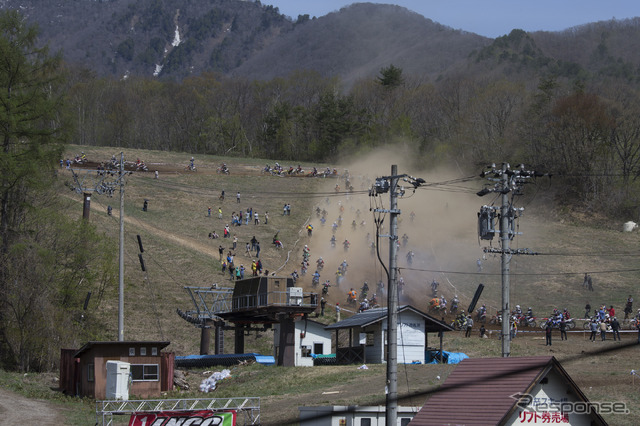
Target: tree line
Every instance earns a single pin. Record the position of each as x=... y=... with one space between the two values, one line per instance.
x=584 y=131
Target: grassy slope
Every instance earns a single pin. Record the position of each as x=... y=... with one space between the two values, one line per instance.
x=178 y=253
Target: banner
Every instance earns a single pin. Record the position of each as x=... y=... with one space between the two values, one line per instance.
x=184 y=418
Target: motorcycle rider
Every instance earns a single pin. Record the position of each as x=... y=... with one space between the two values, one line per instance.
x=529 y=313
x=365 y=289
x=482 y=312
x=454 y=303
x=333 y=239
x=364 y=305
x=374 y=301
x=325 y=287
x=352 y=296
x=320 y=263
x=315 y=278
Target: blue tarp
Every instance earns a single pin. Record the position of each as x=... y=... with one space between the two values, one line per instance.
x=223 y=359
x=449 y=357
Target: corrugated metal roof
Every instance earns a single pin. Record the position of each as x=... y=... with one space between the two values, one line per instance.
x=371 y=316
x=478 y=391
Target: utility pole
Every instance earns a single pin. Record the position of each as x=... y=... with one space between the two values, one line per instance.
x=506 y=181
x=105 y=182
x=384 y=184
x=392 y=306
x=121 y=256
x=505 y=260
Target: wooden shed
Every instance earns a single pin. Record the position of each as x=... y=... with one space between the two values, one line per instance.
x=151 y=369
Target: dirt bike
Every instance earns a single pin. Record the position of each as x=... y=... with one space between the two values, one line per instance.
x=496 y=319
x=278 y=244
x=315 y=280
x=353 y=301
x=190 y=168
x=223 y=170
x=481 y=317
x=459 y=324
x=524 y=321
x=630 y=324
x=325 y=288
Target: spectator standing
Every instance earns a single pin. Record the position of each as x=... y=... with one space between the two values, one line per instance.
x=257 y=248
x=220 y=251
x=589 y=283
x=483 y=331
x=563 y=329
x=238 y=197
x=235 y=241
x=547 y=332
x=209 y=212
x=587 y=310
x=628 y=307
x=593 y=326
x=469 y=326
x=338 y=316
x=615 y=327
x=323 y=303
x=603 y=330
x=256 y=219
x=266 y=218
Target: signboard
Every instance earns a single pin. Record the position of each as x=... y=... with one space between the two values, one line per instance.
x=184 y=418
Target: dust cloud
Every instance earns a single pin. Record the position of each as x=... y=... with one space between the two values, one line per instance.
x=438 y=223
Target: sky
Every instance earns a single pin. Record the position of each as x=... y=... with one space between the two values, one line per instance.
x=490 y=18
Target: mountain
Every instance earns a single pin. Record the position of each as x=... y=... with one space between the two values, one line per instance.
x=177 y=38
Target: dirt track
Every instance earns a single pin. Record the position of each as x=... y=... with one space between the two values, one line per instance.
x=18 y=410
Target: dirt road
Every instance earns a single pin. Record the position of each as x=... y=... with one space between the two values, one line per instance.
x=17 y=410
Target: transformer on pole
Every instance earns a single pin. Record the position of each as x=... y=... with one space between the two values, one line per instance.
x=383 y=185
x=506 y=181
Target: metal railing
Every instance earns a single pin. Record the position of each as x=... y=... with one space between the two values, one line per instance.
x=247 y=409
x=274 y=298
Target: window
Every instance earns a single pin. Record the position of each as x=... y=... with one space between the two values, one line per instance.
x=365 y=422
x=144 y=372
x=370 y=338
x=306 y=351
x=90 y=373
x=143 y=351
x=404 y=421
x=154 y=351
x=318 y=348
x=132 y=351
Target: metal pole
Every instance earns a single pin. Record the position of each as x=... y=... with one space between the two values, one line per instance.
x=506 y=257
x=121 y=264
x=86 y=206
x=392 y=306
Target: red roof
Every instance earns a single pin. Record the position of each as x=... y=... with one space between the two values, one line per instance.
x=478 y=391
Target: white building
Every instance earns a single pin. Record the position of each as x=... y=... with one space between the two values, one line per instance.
x=367 y=336
x=310 y=338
